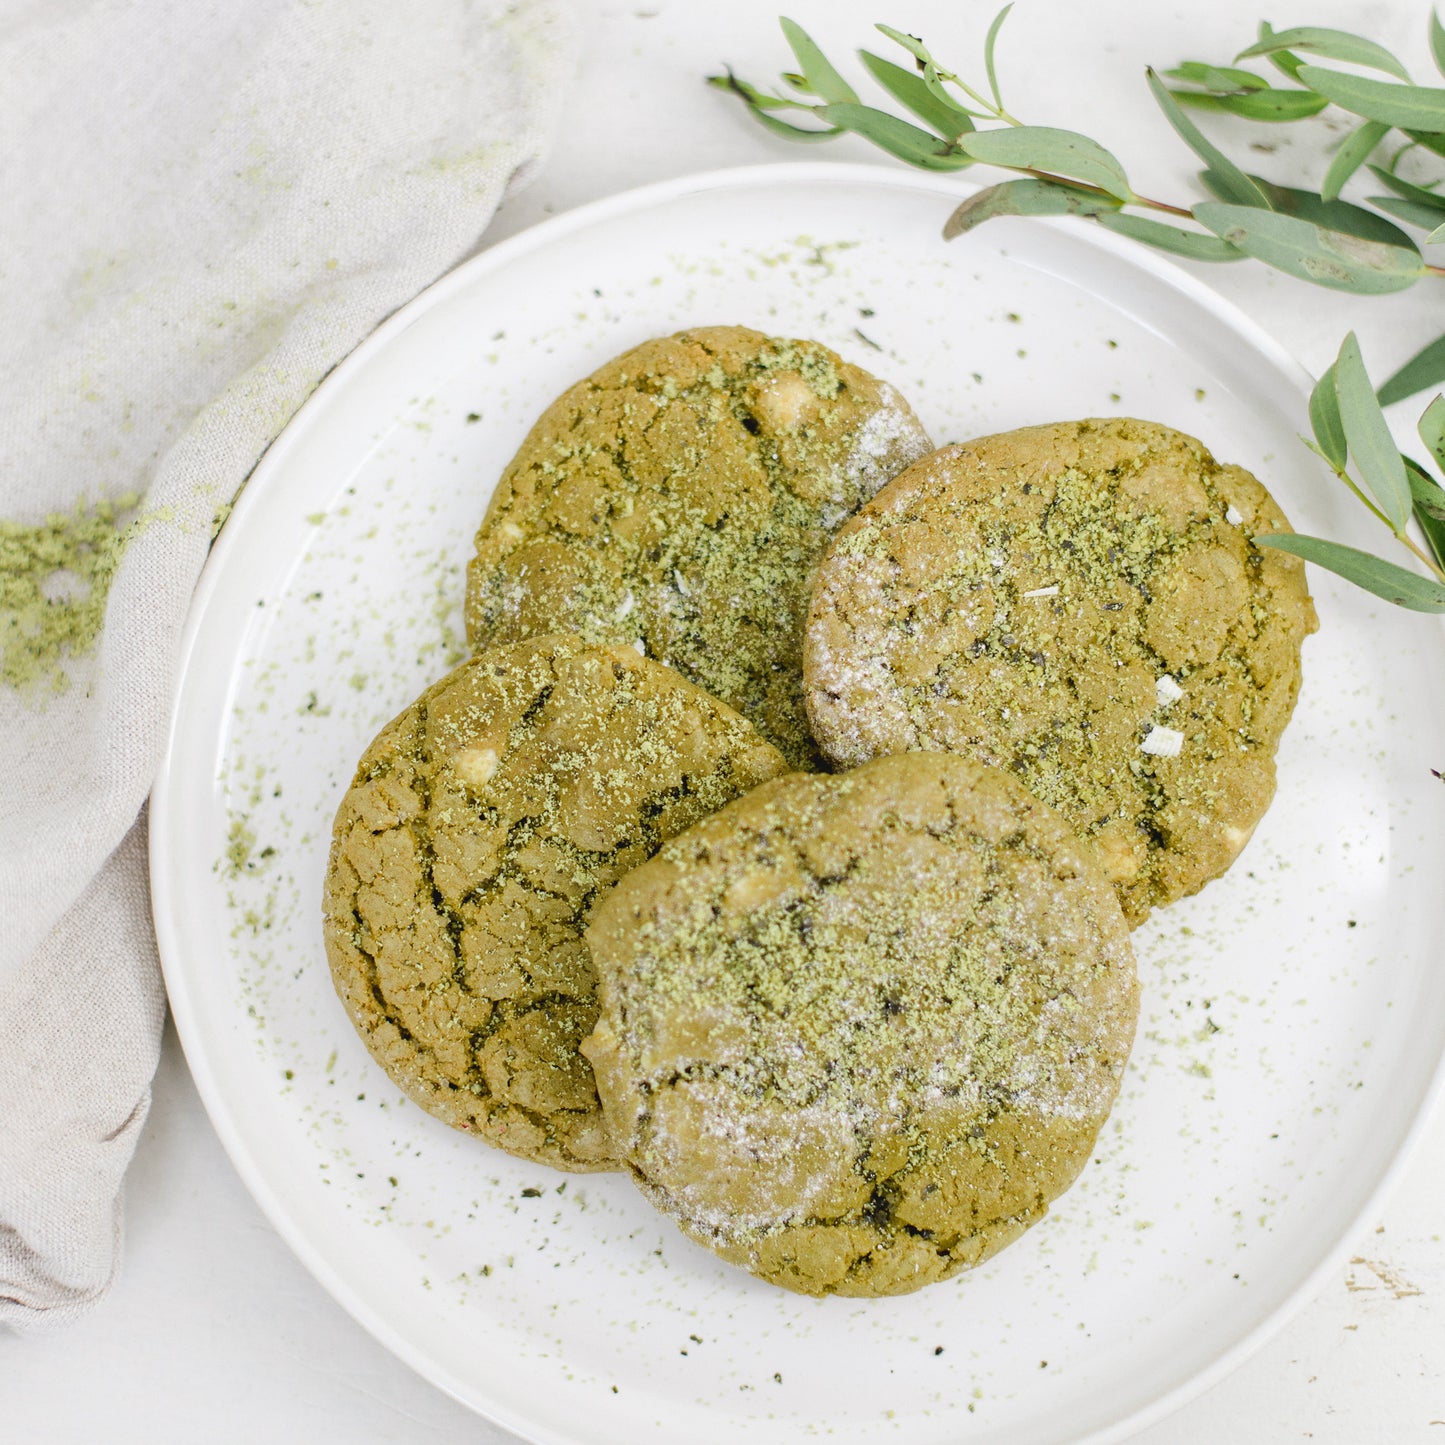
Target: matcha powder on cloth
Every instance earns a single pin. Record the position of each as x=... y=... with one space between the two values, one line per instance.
x=54 y=581
x=207 y=208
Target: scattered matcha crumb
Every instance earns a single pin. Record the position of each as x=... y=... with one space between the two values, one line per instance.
x=239 y=843
x=316 y=518
x=331 y=1062
x=1198 y=393
x=1114 y=396
x=1112 y=345
x=1014 y=316
x=357 y=680
x=219 y=520
x=54 y=581
x=473 y=416
x=290 y=1074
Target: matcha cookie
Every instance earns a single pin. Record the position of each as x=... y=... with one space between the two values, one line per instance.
x=1083 y=605
x=681 y=496
x=481 y=826
x=858 y=1030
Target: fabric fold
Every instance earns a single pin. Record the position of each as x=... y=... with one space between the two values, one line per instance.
x=211 y=207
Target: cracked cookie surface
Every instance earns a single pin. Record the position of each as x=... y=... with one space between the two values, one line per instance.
x=858 y=1030
x=482 y=825
x=1081 y=604
x=682 y=495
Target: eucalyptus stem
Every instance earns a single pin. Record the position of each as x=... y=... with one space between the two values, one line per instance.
x=1134 y=198
x=1400 y=534
x=996 y=111
x=1430 y=562
x=1365 y=502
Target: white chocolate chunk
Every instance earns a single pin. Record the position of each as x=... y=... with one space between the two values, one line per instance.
x=475 y=766
x=1233 y=516
x=785 y=401
x=1050 y=591
x=1167 y=690
x=1162 y=742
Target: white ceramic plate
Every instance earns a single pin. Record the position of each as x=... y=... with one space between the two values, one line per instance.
x=1294 y=1013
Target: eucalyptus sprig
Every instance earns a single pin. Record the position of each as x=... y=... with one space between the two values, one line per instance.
x=1349 y=427
x=1310 y=234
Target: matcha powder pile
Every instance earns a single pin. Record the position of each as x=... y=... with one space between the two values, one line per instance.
x=54 y=581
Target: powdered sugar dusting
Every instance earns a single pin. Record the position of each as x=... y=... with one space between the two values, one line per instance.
x=889 y=440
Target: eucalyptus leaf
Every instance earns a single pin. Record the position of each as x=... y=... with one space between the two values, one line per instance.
x=1413 y=212
x=1432 y=433
x=1313 y=253
x=909 y=88
x=1221 y=79
x=1415 y=107
x=1043 y=148
x=1325 y=420
x=1372 y=448
x=1411 y=192
x=1284 y=61
x=1429 y=496
x=1332 y=215
x=1435 y=236
x=1425 y=369
x=1333 y=45
x=1024 y=198
x=911 y=43
x=1437 y=42
x=1270 y=105
x=1195 y=244
x=933 y=79
x=1431 y=140
x=1429 y=507
x=759 y=105
x=1235 y=186
x=793 y=132
x=1385 y=579
x=752 y=96
x=897 y=137
x=823 y=80
x=988 y=45
x=1351 y=156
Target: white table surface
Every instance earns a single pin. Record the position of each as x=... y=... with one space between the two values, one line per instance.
x=214 y=1331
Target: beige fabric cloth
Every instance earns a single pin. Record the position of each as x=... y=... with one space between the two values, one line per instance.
x=207 y=205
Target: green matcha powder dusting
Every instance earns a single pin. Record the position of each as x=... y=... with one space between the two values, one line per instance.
x=54 y=581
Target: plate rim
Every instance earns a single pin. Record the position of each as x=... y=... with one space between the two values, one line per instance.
x=162 y=849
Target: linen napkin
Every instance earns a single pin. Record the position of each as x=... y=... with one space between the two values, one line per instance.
x=207 y=205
